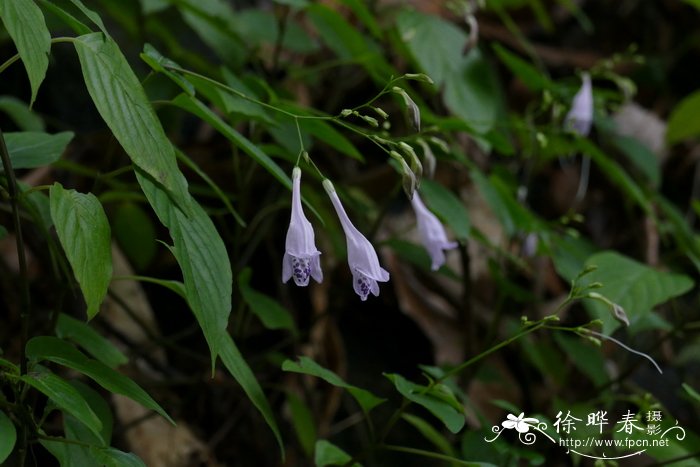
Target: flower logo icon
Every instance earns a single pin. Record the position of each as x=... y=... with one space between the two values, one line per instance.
x=520 y=423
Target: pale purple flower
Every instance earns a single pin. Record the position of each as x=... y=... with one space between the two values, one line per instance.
x=301 y=258
x=362 y=258
x=432 y=233
x=580 y=116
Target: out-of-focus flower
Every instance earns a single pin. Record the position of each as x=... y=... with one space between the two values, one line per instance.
x=362 y=258
x=301 y=257
x=580 y=116
x=432 y=233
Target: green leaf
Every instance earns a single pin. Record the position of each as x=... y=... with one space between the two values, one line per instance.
x=306 y=366
x=528 y=74
x=472 y=92
x=327 y=453
x=29 y=149
x=587 y=358
x=683 y=122
x=303 y=423
x=134 y=231
x=153 y=6
x=69 y=454
x=61 y=352
x=91 y=15
x=236 y=364
x=84 y=233
x=175 y=286
x=634 y=286
x=430 y=433
x=82 y=334
x=21 y=114
x=270 y=312
x=197 y=108
x=111 y=457
x=158 y=62
x=641 y=156
x=185 y=159
x=122 y=103
x=447 y=207
x=347 y=42
x=688 y=389
x=71 y=21
x=431 y=400
x=363 y=13
x=65 y=396
x=203 y=259
x=8 y=436
x=435 y=44
x=101 y=408
x=214 y=21
x=26 y=26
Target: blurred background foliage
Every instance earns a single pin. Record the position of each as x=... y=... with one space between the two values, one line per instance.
x=506 y=184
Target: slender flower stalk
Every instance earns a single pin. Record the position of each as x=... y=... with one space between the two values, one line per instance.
x=301 y=257
x=432 y=233
x=362 y=258
x=580 y=116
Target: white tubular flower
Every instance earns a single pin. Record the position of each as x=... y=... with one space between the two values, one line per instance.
x=432 y=233
x=580 y=116
x=362 y=258
x=301 y=257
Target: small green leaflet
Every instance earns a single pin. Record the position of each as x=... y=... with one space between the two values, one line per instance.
x=84 y=233
x=327 y=453
x=431 y=399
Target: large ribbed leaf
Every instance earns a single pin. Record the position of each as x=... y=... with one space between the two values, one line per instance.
x=25 y=24
x=122 y=103
x=203 y=259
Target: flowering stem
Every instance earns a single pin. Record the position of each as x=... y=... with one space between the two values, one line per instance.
x=24 y=284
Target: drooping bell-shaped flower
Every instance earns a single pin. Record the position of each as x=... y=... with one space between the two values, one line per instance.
x=432 y=233
x=362 y=258
x=580 y=116
x=301 y=258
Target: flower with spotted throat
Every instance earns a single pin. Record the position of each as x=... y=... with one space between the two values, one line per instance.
x=362 y=258
x=301 y=257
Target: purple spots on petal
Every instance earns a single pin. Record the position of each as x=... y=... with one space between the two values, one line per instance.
x=361 y=285
x=301 y=271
